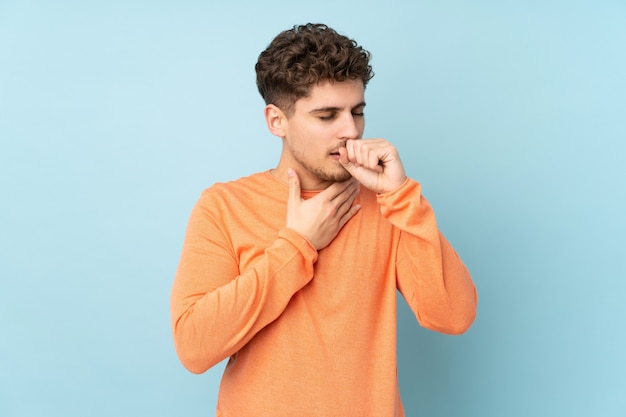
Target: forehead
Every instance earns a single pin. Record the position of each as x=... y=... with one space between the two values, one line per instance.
x=341 y=95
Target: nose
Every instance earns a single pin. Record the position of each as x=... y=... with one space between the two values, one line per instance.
x=350 y=127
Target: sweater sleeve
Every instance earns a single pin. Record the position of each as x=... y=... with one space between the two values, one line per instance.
x=430 y=275
x=215 y=309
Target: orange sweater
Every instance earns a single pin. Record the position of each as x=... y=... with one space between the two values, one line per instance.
x=310 y=333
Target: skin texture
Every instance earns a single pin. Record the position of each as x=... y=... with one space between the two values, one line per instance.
x=323 y=150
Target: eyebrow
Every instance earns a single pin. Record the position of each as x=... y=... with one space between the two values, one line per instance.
x=335 y=109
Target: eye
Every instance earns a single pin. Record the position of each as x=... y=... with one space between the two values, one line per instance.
x=328 y=117
x=358 y=111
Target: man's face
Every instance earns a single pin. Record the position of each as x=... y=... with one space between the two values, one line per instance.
x=320 y=124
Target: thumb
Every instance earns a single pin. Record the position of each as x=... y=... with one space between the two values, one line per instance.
x=294 y=187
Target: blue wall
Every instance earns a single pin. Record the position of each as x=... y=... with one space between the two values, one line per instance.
x=114 y=117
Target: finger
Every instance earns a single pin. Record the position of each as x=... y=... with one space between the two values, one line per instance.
x=345 y=203
x=366 y=154
x=349 y=214
x=361 y=154
x=344 y=159
x=373 y=160
x=347 y=194
x=351 y=189
x=350 y=148
x=336 y=189
x=343 y=156
x=294 y=186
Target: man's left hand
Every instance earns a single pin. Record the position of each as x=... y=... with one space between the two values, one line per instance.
x=375 y=163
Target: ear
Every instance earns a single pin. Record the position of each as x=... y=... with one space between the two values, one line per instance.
x=276 y=120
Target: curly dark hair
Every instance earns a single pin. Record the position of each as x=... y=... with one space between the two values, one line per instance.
x=306 y=55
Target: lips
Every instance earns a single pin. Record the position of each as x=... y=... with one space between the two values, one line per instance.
x=335 y=152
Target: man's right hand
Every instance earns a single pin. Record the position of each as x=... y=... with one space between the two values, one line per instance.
x=320 y=218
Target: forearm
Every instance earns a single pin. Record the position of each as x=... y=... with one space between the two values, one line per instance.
x=213 y=322
x=437 y=286
x=430 y=275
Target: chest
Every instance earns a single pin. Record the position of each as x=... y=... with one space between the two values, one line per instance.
x=357 y=263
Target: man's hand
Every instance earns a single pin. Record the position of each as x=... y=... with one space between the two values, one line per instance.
x=321 y=217
x=375 y=163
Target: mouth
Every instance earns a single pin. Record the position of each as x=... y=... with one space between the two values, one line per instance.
x=334 y=154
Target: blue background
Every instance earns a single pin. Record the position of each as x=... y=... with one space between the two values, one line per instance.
x=114 y=116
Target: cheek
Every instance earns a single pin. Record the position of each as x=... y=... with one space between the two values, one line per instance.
x=314 y=136
x=361 y=126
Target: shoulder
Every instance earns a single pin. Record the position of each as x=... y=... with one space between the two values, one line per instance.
x=234 y=186
x=244 y=190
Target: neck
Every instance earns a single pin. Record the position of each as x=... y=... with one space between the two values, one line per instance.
x=308 y=182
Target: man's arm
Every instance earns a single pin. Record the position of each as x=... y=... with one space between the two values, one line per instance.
x=430 y=275
x=216 y=308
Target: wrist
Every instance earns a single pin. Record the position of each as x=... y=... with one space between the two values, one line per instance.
x=394 y=187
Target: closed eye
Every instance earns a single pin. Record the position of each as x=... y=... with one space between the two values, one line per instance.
x=328 y=118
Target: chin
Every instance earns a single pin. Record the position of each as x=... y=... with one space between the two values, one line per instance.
x=328 y=173
x=335 y=176
x=344 y=176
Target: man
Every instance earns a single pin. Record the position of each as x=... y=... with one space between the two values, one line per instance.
x=292 y=273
